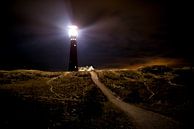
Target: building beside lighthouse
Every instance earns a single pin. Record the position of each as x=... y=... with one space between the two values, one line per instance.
x=86 y=68
x=73 y=61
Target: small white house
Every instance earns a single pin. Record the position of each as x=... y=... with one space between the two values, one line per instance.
x=87 y=68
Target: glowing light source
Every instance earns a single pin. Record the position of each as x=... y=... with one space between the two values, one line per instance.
x=73 y=32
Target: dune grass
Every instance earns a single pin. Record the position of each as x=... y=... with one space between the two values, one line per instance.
x=157 y=88
x=27 y=102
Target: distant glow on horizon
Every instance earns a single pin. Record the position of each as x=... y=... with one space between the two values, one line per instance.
x=73 y=31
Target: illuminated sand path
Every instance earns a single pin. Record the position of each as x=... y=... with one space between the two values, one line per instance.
x=58 y=96
x=142 y=119
x=49 y=82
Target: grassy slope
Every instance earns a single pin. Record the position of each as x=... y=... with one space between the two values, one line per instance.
x=27 y=102
x=172 y=88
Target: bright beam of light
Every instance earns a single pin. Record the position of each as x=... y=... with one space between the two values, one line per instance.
x=73 y=31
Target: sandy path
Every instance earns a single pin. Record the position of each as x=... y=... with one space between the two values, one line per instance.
x=141 y=118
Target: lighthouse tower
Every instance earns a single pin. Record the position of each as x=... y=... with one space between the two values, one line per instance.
x=73 y=63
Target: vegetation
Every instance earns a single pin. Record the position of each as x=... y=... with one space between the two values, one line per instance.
x=158 y=88
x=55 y=100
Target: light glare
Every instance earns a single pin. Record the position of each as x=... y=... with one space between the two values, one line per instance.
x=73 y=31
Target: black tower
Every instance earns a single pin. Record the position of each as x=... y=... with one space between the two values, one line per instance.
x=73 y=65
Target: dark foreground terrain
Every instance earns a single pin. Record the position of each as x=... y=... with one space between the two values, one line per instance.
x=160 y=89
x=57 y=100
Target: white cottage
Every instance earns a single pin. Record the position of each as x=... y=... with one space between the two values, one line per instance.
x=87 y=68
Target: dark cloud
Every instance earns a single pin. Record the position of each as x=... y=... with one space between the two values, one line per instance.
x=112 y=32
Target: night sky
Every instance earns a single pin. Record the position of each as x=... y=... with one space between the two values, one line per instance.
x=112 y=33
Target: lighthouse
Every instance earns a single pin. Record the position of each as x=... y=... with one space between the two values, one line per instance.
x=73 y=62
